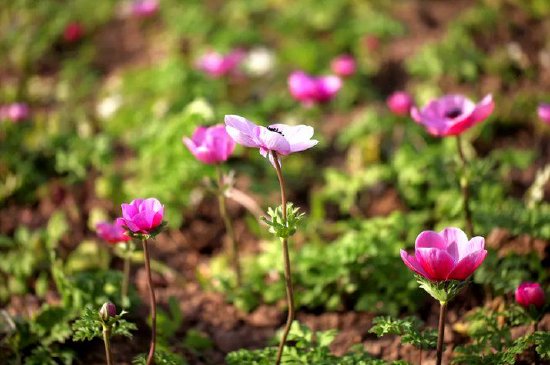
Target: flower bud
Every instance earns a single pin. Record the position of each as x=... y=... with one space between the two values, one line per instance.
x=400 y=103
x=107 y=311
x=528 y=294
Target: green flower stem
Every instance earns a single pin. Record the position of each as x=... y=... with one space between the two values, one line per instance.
x=126 y=273
x=236 y=262
x=107 y=342
x=153 y=304
x=441 y=332
x=465 y=187
x=286 y=256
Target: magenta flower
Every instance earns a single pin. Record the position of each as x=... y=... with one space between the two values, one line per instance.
x=14 y=112
x=309 y=89
x=400 y=103
x=210 y=145
x=447 y=255
x=343 y=65
x=216 y=64
x=112 y=233
x=452 y=114
x=73 y=32
x=528 y=294
x=280 y=138
x=544 y=112
x=141 y=215
x=107 y=311
x=144 y=8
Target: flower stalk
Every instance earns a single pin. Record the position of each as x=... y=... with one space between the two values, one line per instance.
x=465 y=188
x=234 y=248
x=441 y=332
x=107 y=342
x=152 y=302
x=126 y=273
x=286 y=257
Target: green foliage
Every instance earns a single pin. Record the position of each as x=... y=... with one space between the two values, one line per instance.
x=442 y=291
x=409 y=330
x=281 y=227
x=307 y=348
x=162 y=357
x=90 y=325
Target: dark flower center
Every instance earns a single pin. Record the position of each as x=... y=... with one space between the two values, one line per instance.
x=453 y=113
x=273 y=129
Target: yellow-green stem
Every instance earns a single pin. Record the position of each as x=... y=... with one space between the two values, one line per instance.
x=286 y=257
x=465 y=187
x=229 y=228
x=153 y=305
x=107 y=342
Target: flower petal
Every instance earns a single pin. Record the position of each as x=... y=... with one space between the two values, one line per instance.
x=430 y=239
x=467 y=265
x=241 y=130
x=273 y=141
x=456 y=241
x=412 y=264
x=437 y=263
x=483 y=109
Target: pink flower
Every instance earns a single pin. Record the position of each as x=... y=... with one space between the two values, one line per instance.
x=309 y=89
x=544 y=112
x=400 y=103
x=112 y=233
x=73 y=32
x=144 y=8
x=210 y=145
x=280 y=138
x=452 y=114
x=216 y=64
x=141 y=215
x=447 y=255
x=343 y=65
x=528 y=294
x=107 y=311
x=14 y=112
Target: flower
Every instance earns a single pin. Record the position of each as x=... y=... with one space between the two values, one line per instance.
x=452 y=114
x=544 y=112
x=73 y=32
x=309 y=89
x=144 y=8
x=343 y=65
x=141 y=215
x=14 y=112
x=280 y=138
x=107 y=310
x=216 y=64
x=400 y=103
x=447 y=255
x=112 y=233
x=528 y=294
x=210 y=145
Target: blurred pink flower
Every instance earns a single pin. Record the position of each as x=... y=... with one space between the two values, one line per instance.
x=144 y=8
x=14 y=112
x=280 y=138
x=452 y=114
x=210 y=144
x=528 y=294
x=112 y=233
x=400 y=103
x=447 y=255
x=73 y=32
x=310 y=89
x=544 y=112
x=216 y=64
x=141 y=215
x=343 y=65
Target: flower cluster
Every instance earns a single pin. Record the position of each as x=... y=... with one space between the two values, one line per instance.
x=313 y=89
x=216 y=64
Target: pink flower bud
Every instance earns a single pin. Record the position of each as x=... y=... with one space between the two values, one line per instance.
x=528 y=294
x=144 y=8
x=112 y=233
x=544 y=112
x=73 y=32
x=216 y=64
x=400 y=103
x=343 y=65
x=14 y=112
x=107 y=311
x=210 y=145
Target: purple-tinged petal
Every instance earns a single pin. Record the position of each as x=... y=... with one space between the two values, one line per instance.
x=467 y=265
x=483 y=109
x=241 y=130
x=437 y=263
x=412 y=264
x=298 y=137
x=456 y=242
x=273 y=141
x=129 y=210
x=430 y=239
